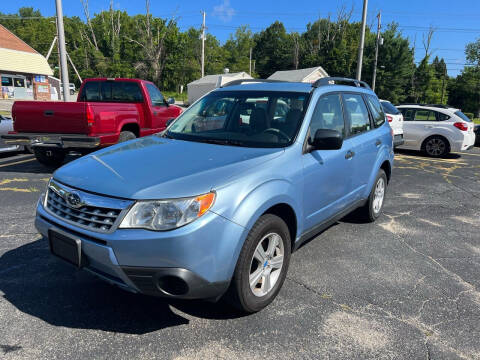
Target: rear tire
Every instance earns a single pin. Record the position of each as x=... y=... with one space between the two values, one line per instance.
x=265 y=254
x=125 y=136
x=49 y=157
x=373 y=208
x=436 y=146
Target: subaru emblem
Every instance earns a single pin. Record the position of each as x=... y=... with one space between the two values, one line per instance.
x=73 y=200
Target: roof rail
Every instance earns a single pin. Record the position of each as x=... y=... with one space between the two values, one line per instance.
x=241 y=81
x=440 y=106
x=333 y=80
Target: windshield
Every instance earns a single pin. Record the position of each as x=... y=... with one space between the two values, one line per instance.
x=243 y=118
x=462 y=116
x=389 y=108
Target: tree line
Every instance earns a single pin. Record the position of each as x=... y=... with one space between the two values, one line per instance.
x=114 y=44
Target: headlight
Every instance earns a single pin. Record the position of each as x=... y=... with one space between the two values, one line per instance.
x=167 y=214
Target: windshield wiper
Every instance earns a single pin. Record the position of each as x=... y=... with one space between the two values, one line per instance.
x=221 y=142
x=166 y=135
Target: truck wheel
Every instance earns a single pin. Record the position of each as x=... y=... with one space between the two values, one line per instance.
x=125 y=136
x=262 y=265
x=49 y=157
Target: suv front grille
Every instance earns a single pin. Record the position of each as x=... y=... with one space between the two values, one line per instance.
x=89 y=214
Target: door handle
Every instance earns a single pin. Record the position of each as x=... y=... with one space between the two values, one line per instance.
x=48 y=113
x=349 y=154
x=378 y=142
x=155 y=113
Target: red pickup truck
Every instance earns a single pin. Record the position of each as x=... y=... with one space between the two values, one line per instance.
x=107 y=111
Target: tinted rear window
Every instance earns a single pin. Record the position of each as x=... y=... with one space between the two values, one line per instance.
x=462 y=116
x=389 y=108
x=112 y=91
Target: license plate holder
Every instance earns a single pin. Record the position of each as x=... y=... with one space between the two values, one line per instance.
x=65 y=247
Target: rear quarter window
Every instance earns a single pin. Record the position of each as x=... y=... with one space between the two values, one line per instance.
x=389 y=108
x=376 y=110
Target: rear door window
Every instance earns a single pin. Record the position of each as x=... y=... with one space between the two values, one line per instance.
x=425 y=115
x=112 y=91
x=357 y=114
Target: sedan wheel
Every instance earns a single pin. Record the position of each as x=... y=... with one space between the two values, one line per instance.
x=435 y=147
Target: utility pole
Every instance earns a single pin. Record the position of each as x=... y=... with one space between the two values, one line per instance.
x=362 y=40
x=443 y=82
x=62 y=49
x=250 y=62
x=374 y=78
x=203 y=44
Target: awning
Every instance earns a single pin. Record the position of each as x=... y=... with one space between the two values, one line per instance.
x=23 y=62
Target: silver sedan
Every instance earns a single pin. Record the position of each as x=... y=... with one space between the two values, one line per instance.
x=6 y=125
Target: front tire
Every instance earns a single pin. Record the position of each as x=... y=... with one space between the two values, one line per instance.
x=49 y=157
x=262 y=265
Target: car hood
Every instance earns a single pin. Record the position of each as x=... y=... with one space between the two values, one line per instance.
x=160 y=168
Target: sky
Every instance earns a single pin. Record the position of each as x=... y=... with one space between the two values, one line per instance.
x=456 y=23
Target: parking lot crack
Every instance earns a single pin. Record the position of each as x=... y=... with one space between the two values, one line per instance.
x=452 y=274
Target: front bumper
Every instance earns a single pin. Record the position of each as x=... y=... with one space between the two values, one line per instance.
x=63 y=141
x=192 y=262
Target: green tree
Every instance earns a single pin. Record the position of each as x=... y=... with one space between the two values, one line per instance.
x=237 y=49
x=271 y=50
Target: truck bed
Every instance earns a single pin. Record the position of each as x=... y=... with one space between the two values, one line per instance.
x=50 y=117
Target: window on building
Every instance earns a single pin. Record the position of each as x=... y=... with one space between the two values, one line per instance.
x=7 y=81
x=19 y=82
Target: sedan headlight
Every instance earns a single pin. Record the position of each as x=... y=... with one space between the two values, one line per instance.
x=167 y=214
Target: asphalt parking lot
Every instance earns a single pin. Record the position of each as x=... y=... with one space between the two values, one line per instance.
x=406 y=287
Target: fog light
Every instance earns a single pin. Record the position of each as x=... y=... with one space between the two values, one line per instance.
x=172 y=285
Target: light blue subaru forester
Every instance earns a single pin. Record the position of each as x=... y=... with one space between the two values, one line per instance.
x=216 y=204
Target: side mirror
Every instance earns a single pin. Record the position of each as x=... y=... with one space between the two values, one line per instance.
x=327 y=139
x=169 y=121
x=170 y=101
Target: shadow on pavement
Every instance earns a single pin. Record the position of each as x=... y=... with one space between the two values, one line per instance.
x=28 y=164
x=421 y=154
x=40 y=285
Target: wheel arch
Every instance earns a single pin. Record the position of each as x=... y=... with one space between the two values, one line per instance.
x=132 y=127
x=285 y=212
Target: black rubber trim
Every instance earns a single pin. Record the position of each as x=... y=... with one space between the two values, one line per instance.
x=76 y=233
x=310 y=233
x=146 y=280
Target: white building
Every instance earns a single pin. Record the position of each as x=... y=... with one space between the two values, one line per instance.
x=196 y=89
x=309 y=75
